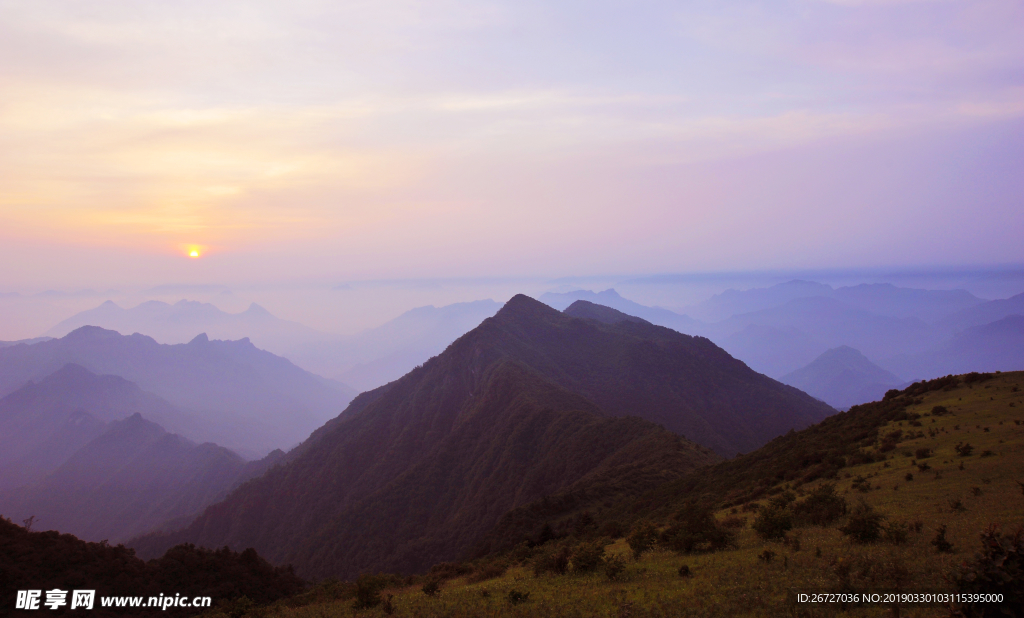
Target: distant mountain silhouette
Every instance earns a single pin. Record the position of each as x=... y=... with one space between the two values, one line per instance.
x=985 y=313
x=770 y=350
x=364 y=361
x=883 y=299
x=7 y=344
x=835 y=323
x=182 y=321
x=998 y=346
x=611 y=298
x=235 y=394
x=521 y=407
x=128 y=480
x=843 y=377
x=733 y=302
x=44 y=423
x=385 y=353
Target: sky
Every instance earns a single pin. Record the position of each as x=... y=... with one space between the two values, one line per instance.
x=314 y=141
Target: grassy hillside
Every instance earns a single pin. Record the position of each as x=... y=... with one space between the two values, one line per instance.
x=917 y=482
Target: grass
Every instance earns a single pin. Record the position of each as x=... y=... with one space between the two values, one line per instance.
x=964 y=498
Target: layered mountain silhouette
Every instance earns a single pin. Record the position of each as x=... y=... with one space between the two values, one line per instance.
x=44 y=423
x=997 y=346
x=843 y=377
x=133 y=477
x=182 y=321
x=528 y=404
x=364 y=361
x=385 y=353
x=882 y=299
x=232 y=393
x=611 y=298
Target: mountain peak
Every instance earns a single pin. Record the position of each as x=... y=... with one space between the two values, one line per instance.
x=601 y=313
x=521 y=307
x=91 y=333
x=199 y=339
x=255 y=309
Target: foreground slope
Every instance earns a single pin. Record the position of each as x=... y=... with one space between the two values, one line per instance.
x=896 y=459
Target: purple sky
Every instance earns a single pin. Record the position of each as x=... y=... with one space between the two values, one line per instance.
x=331 y=141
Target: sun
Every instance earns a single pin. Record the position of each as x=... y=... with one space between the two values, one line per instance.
x=193 y=253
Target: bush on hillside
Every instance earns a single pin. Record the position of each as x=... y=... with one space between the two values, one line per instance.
x=773 y=522
x=864 y=524
x=821 y=508
x=997 y=569
x=696 y=531
x=642 y=538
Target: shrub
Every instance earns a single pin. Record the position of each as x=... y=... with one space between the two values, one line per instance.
x=684 y=571
x=923 y=453
x=772 y=522
x=964 y=449
x=939 y=411
x=997 y=569
x=766 y=556
x=552 y=561
x=864 y=524
x=431 y=588
x=642 y=538
x=614 y=565
x=942 y=545
x=696 y=531
x=488 y=571
x=515 y=597
x=368 y=589
x=821 y=508
x=448 y=570
x=896 y=532
x=587 y=557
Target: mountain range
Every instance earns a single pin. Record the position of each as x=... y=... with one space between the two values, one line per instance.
x=364 y=361
x=77 y=454
x=228 y=392
x=530 y=403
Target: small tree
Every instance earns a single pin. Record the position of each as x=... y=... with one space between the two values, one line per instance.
x=642 y=538
x=864 y=524
x=820 y=508
x=368 y=589
x=772 y=522
x=587 y=557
